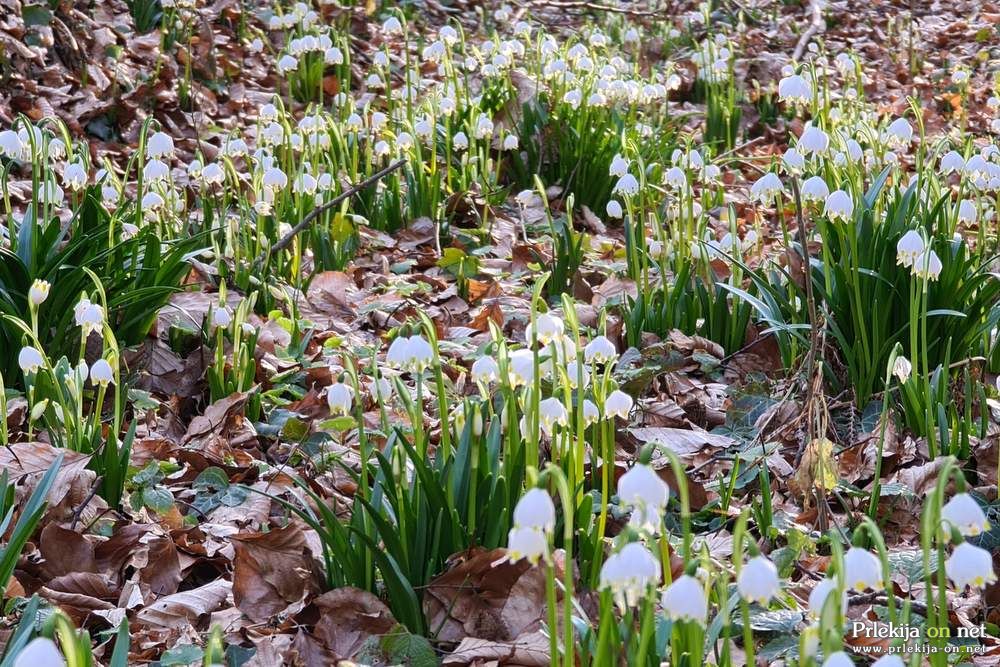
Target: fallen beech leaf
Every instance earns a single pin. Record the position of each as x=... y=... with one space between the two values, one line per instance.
x=349 y=616
x=185 y=608
x=270 y=571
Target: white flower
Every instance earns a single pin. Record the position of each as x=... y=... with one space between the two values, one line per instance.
x=221 y=317
x=392 y=26
x=89 y=316
x=838 y=659
x=965 y=514
x=619 y=166
x=815 y=189
x=159 y=145
x=412 y=354
x=340 y=398
x=758 y=580
x=813 y=141
x=460 y=141
x=510 y=142
x=819 y=595
x=630 y=573
x=839 y=205
x=10 y=144
x=862 y=570
x=614 y=209
x=909 y=247
x=899 y=134
x=967 y=211
x=675 y=178
x=287 y=63
x=684 y=600
x=101 y=373
x=902 y=368
x=486 y=370
x=484 y=127
x=526 y=542
x=793 y=160
x=274 y=179
x=333 y=56
x=952 y=161
x=890 y=660
x=590 y=412
x=213 y=174
x=573 y=98
x=75 y=176
x=30 y=359
x=627 y=185
x=767 y=187
x=642 y=486
x=39 y=652
x=970 y=565
x=618 y=404
x=549 y=328
x=535 y=510
x=551 y=411
x=305 y=184
x=521 y=367
x=794 y=89
x=39 y=292
x=600 y=351
x=927 y=266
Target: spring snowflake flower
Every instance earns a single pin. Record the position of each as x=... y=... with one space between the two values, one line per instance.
x=970 y=565
x=813 y=141
x=614 y=209
x=39 y=292
x=10 y=144
x=535 y=510
x=484 y=127
x=221 y=317
x=794 y=89
x=952 y=161
x=305 y=184
x=213 y=174
x=767 y=188
x=590 y=412
x=758 y=580
x=819 y=595
x=965 y=514
x=521 y=367
x=549 y=328
x=815 y=189
x=159 y=145
x=927 y=266
x=30 y=359
x=967 y=211
x=340 y=398
x=526 y=543
x=275 y=179
x=551 y=411
x=838 y=659
x=75 y=176
x=627 y=185
x=101 y=373
x=333 y=56
x=909 y=248
x=899 y=134
x=460 y=141
x=411 y=354
x=684 y=600
x=862 y=570
x=600 y=351
x=392 y=26
x=643 y=490
x=448 y=35
x=630 y=573
x=793 y=161
x=40 y=652
x=675 y=178
x=156 y=170
x=486 y=370
x=89 y=316
x=902 y=368
x=510 y=142
x=839 y=206
x=618 y=404
x=619 y=166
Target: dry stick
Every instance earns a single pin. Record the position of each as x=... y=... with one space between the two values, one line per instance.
x=322 y=208
x=813 y=319
x=815 y=26
x=583 y=4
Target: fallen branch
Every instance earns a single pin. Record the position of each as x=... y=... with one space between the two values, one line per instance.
x=815 y=26
x=284 y=241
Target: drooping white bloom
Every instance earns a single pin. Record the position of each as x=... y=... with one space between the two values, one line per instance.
x=460 y=141
x=819 y=595
x=619 y=166
x=839 y=205
x=213 y=174
x=675 y=178
x=630 y=573
x=970 y=565
x=526 y=542
x=101 y=373
x=600 y=351
x=618 y=404
x=411 y=354
x=614 y=209
x=10 y=144
x=793 y=160
x=484 y=127
x=794 y=89
x=967 y=211
x=909 y=247
x=535 y=510
x=813 y=141
x=221 y=317
x=684 y=600
x=89 y=316
x=965 y=514
x=815 y=189
x=392 y=26
x=274 y=179
x=767 y=187
x=39 y=292
x=549 y=328
x=902 y=368
x=159 y=145
x=862 y=570
x=340 y=398
x=551 y=411
x=486 y=370
x=590 y=412
x=75 y=176
x=627 y=185
x=510 y=142
x=758 y=580
x=40 y=652
x=928 y=265
x=899 y=134
x=521 y=367
x=287 y=63
x=952 y=161
x=30 y=359
x=838 y=659
x=642 y=486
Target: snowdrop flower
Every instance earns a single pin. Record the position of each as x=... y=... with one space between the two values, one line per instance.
x=39 y=652
x=630 y=573
x=618 y=404
x=529 y=543
x=902 y=368
x=899 y=134
x=758 y=580
x=684 y=600
x=448 y=35
x=813 y=141
x=576 y=373
x=382 y=148
x=30 y=359
x=967 y=211
x=101 y=373
x=573 y=98
x=412 y=354
x=75 y=176
x=89 y=316
x=600 y=351
x=815 y=189
x=909 y=247
x=793 y=161
x=952 y=161
x=287 y=63
x=486 y=370
x=838 y=659
x=221 y=317
x=535 y=510
x=157 y=170
x=159 y=145
x=839 y=205
x=794 y=89
x=39 y=292
x=619 y=166
x=614 y=209
x=970 y=565
x=551 y=411
x=627 y=185
x=928 y=265
x=819 y=595
x=862 y=570
x=631 y=36
x=965 y=514
x=767 y=187
x=340 y=398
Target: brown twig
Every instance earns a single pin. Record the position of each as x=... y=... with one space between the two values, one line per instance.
x=322 y=208
x=78 y=512
x=816 y=25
